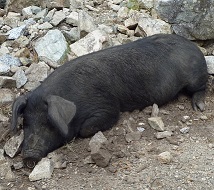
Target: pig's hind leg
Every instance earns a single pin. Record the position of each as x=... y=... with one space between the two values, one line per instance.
x=99 y=121
x=198 y=96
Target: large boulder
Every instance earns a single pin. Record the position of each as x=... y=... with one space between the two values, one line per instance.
x=191 y=19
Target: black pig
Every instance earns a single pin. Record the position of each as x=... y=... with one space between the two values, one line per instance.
x=86 y=95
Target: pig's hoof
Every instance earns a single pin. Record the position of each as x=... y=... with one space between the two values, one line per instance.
x=199 y=106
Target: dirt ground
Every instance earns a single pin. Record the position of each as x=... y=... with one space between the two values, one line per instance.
x=135 y=165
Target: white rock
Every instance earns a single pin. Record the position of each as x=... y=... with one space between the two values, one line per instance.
x=123 y=12
x=45 y=26
x=164 y=134
x=52 y=46
x=156 y=123
x=16 y=32
x=3 y=118
x=210 y=64
x=90 y=43
x=155 y=110
x=12 y=146
x=165 y=157
x=58 y=17
x=7 y=82
x=43 y=170
x=6 y=96
x=153 y=26
x=72 y=18
x=97 y=140
x=85 y=24
x=5 y=169
x=20 y=78
x=185 y=130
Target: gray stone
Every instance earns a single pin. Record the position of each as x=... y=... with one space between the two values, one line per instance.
x=50 y=4
x=6 y=96
x=12 y=146
x=12 y=19
x=43 y=170
x=165 y=157
x=88 y=160
x=123 y=12
x=18 y=165
x=16 y=32
x=5 y=169
x=97 y=140
x=76 y=4
x=90 y=43
x=146 y=4
x=20 y=78
x=72 y=35
x=122 y=29
x=156 y=123
x=37 y=72
x=31 y=85
x=133 y=136
x=27 y=12
x=185 y=130
x=155 y=110
x=85 y=24
x=164 y=134
x=58 y=17
x=41 y=15
x=191 y=19
x=45 y=26
x=49 y=16
x=58 y=160
x=57 y=46
x=3 y=118
x=210 y=64
x=153 y=26
x=6 y=61
x=7 y=82
x=99 y=154
x=73 y=18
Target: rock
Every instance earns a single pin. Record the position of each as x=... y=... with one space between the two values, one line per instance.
x=43 y=170
x=37 y=72
x=7 y=82
x=99 y=154
x=146 y=4
x=3 y=38
x=49 y=16
x=3 y=118
x=185 y=118
x=97 y=140
x=164 y=134
x=20 y=78
x=210 y=64
x=45 y=26
x=155 y=110
x=88 y=160
x=72 y=35
x=16 y=32
x=18 y=165
x=5 y=170
x=90 y=43
x=29 y=86
x=57 y=46
x=57 y=4
x=18 y=5
x=165 y=157
x=185 y=130
x=41 y=15
x=131 y=23
x=204 y=117
x=12 y=19
x=122 y=29
x=123 y=12
x=153 y=26
x=58 y=17
x=12 y=146
x=85 y=24
x=58 y=160
x=6 y=96
x=133 y=136
x=22 y=42
x=6 y=61
x=188 y=18
x=72 y=18
x=156 y=123
x=76 y=4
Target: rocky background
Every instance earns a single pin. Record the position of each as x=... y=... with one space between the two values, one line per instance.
x=38 y=36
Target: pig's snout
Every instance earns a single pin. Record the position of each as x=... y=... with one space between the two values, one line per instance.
x=30 y=162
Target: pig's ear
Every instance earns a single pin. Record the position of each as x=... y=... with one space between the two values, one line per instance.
x=17 y=110
x=60 y=112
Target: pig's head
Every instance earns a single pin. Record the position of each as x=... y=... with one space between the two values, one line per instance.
x=45 y=124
